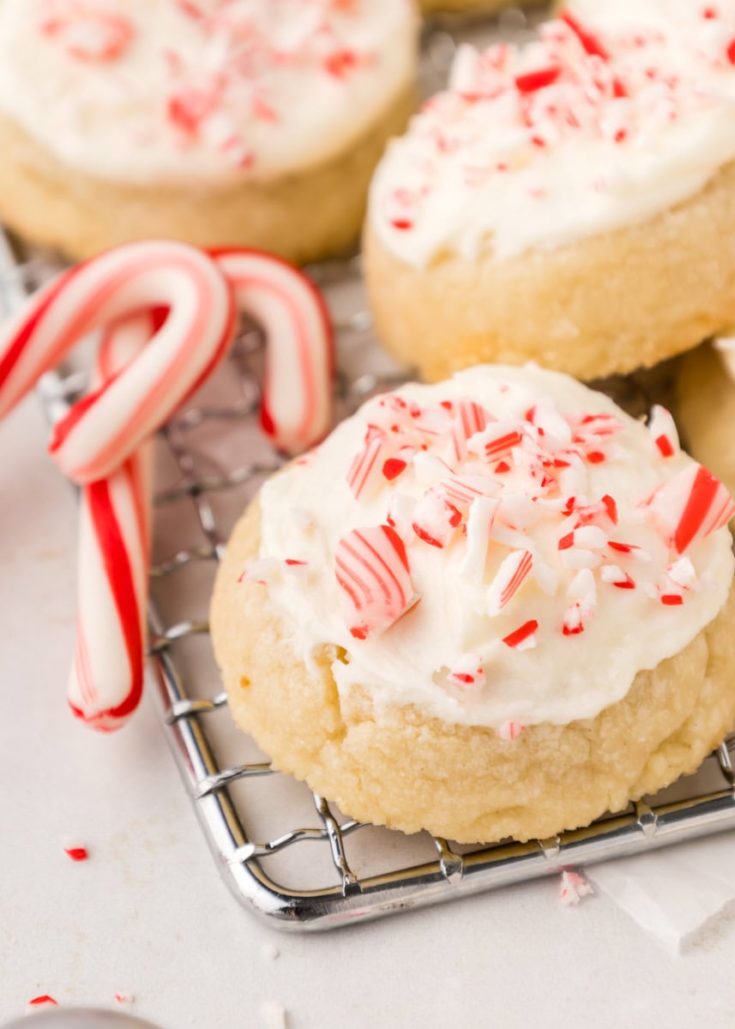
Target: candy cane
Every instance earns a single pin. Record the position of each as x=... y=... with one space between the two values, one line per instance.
x=106 y=679
x=138 y=387
x=297 y=396
x=107 y=427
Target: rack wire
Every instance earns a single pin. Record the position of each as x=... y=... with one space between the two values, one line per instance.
x=286 y=852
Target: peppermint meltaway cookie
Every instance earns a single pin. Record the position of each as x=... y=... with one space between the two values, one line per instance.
x=568 y=200
x=495 y=606
x=253 y=122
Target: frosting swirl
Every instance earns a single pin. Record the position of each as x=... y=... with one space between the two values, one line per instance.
x=501 y=549
x=614 y=113
x=172 y=90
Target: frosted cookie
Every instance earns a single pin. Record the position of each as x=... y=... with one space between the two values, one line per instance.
x=495 y=606
x=253 y=122
x=568 y=201
x=706 y=406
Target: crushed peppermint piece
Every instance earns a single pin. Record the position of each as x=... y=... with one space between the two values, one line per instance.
x=690 y=506
x=617 y=577
x=573 y=887
x=512 y=573
x=364 y=470
x=467 y=670
x=469 y=419
x=372 y=571
x=662 y=427
x=77 y=853
x=435 y=518
x=510 y=731
x=89 y=35
x=42 y=1001
x=524 y=637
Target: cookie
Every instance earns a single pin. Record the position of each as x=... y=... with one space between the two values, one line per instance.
x=254 y=123
x=496 y=606
x=568 y=201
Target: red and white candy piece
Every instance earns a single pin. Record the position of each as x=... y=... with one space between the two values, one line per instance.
x=663 y=431
x=467 y=670
x=573 y=887
x=677 y=580
x=616 y=576
x=469 y=418
x=462 y=490
x=372 y=571
x=510 y=576
x=365 y=473
x=89 y=31
x=296 y=410
x=582 y=591
x=510 y=731
x=436 y=518
x=497 y=440
x=524 y=637
x=690 y=506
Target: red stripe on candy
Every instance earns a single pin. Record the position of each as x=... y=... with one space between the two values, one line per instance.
x=518 y=636
x=589 y=41
x=119 y=572
x=532 y=81
x=704 y=492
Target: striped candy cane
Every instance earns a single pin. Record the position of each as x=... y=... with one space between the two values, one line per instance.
x=147 y=367
x=296 y=409
x=106 y=679
x=109 y=424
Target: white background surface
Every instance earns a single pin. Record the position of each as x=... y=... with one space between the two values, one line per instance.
x=149 y=915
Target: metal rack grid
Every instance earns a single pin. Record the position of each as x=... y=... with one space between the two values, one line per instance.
x=211 y=460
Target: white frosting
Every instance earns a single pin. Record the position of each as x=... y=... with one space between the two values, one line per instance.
x=487 y=168
x=171 y=90
x=309 y=507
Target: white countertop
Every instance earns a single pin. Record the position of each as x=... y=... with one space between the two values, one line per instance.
x=148 y=914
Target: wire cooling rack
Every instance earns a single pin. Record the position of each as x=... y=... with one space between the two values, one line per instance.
x=285 y=852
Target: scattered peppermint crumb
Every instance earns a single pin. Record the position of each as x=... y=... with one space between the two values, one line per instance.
x=124 y=999
x=42 y=1001
x=273 y=1015
x=77 y=853
x=573 y=887
x=270 y=951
